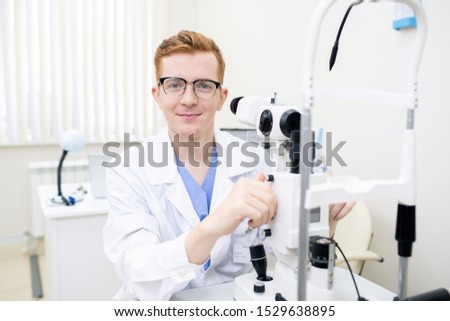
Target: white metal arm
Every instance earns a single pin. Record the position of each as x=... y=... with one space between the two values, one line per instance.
x=340 y=189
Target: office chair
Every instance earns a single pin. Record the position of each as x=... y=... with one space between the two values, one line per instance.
x=354 y=235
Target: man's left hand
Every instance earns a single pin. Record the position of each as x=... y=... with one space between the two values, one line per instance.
x=338 y=212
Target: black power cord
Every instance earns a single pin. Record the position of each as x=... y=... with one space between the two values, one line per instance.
x=334 y=51
x=319 y=257
x=360 y=298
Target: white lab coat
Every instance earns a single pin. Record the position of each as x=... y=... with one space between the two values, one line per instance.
x=150 y=213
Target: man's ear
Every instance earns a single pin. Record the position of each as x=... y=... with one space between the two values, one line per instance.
x=223 y=98
x=155 y=93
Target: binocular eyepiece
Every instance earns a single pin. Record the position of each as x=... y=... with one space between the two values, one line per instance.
x=270 y=120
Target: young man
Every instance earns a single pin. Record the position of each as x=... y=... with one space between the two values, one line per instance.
x=179 y=219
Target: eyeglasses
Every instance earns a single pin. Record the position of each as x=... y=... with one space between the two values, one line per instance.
x=175 y=87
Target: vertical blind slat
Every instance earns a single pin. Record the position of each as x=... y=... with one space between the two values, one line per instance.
x=128 y=69
x=118 y=69
x=137 y=68
x=2 y=87
x=21 y=70
x=87 y=70
x=108 y=67
x=77 y=95
x=55 y=66
x=33 y=58
x=2 y=77
x=66 y=70
x=96 y=67
x=79 y=66
x=10 y=73
x=148 y=67
x=45 y=65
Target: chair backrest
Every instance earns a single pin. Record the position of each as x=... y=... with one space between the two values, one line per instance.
x=354 y=233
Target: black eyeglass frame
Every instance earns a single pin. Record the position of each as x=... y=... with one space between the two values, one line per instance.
x=163 y=79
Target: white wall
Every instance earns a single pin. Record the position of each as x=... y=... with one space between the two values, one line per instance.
x=263 y=43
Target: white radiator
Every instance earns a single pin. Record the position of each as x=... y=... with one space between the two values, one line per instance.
x=44 y=173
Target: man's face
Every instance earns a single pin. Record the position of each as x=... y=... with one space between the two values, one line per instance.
x=188 y=114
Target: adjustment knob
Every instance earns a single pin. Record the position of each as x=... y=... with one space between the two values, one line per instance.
x=259 y=287
x=266 y=122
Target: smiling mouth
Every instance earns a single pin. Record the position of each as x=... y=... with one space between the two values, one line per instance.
x=189 y=116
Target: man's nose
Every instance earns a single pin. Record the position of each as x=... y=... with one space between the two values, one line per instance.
x=189 y=98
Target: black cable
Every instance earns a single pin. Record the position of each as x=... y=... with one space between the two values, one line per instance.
x=360 y=298
x=336 y=43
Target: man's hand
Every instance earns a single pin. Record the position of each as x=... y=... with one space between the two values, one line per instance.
x=336 y=213
x=249 y=198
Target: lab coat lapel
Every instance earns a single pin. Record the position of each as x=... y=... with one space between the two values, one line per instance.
x=176 y=192
x=179 y=197
x=222 y=186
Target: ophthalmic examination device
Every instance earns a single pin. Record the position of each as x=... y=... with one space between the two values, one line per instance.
x=299 y=233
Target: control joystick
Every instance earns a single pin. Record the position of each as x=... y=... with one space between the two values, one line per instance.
x=259 y=262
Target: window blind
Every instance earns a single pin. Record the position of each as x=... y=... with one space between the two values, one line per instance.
x=84 y=64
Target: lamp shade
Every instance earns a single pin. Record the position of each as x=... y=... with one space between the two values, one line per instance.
x=72 y=140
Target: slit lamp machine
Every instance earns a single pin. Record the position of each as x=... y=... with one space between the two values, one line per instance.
x=298 y=235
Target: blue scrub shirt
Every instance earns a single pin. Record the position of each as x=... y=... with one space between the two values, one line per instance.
x=200 y=195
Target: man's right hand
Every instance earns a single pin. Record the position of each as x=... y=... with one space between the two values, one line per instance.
x=249 y=198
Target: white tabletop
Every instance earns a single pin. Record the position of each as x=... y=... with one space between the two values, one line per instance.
x=220 y=292
x=343 y=290
x=88 y=206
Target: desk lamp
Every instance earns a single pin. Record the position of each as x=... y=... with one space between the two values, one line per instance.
x=71 y=141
